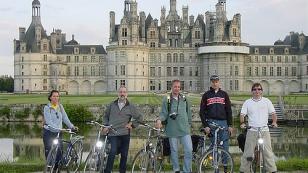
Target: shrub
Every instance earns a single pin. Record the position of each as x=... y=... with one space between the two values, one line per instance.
x=37 y=112
x=5 y=111
x=21 y=115
x=78 y=113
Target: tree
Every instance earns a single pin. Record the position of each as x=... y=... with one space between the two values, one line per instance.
x=6 y=84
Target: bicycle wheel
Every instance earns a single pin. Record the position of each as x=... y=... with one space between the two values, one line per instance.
x=51 y=165
x=75 y=156
x=144 y=161
x=257 y=164
x=159 y=158
x=104 y=158
x=218 y=161
x=93 y=162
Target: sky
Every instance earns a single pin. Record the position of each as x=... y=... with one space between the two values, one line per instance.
x=263 y=21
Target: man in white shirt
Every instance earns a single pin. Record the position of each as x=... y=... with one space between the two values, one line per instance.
x=257 y=110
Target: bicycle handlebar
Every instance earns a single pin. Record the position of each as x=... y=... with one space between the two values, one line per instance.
x=70 y=131
x=102 y=125
x=150 y=127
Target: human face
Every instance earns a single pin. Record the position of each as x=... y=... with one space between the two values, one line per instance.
x=55 y=98
x=215 y=84
x=257 y=92
x=122 y=94
x=176 y=87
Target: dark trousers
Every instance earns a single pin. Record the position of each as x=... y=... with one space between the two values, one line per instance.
x=119 y=145
x=48 y=138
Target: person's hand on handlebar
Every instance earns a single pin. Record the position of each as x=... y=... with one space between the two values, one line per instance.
x=275 y=125
x=158 y=124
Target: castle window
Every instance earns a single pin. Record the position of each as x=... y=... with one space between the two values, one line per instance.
x=168 y=71
x=190 y=71
x=92 y=71
x=278 y=71
x=272 y=58
x=44 y=87
x=286 y=51
x=236 y=85
x=68 y=59
x=307 y=58
x=197 y=71
x=234 y=32
x=169 y=85
x=293 y=71
x=293 y=58
x=22 y=73
x=257 y=71
x=159 y=72
x=92 y=50
x=306 y=87
x=76 y=71
x=175 y=57
x=176 y=44
x=122 y=83
x=45 y=58
x=68 y=71
x=45 y=47
x=286 y=59
x=123 y=72
x=197 y=35
x=124 y=32
x=263 y=71
x=152 y=85
x=84 y=58
x=84 y=71
x=152 y=44
x=231 y=70
x=236 y=71
x=306 y=70
x=231 y=85
x=278 y=58
x=182 y=84
x=92 y=58
x=116 y=70
x=76 y=58
x=271 y=51
x=101 y=71
x=152 y=71
x=170 y=42
x=44 y=81
x=182 y=57
x=76 y=50
x=271 y=71
x=182 y=71
x=168 y=57
x=249 y=71
x=22 y=66
x=175 y=71
x=124 y=42
x=256 y=59
x=22 y=59
x=286 y=71
x=263 y=58
x=152 y=34
x=116 y=84
x=256 y=50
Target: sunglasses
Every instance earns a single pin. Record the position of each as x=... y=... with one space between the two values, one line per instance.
x=255 y=89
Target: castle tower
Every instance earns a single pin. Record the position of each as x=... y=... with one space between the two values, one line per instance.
x=36 y=11
x=185 y=14
x=173 y=7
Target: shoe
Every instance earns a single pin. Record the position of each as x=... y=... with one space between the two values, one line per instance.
x=177 y=171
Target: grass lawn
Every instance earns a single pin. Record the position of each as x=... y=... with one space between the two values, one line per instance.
x=136 y=99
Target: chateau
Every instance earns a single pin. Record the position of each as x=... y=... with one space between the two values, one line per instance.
x=145 y=54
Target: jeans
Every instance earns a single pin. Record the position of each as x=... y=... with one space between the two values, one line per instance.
x=187 y=144
x=119 y=144
x=48 y=138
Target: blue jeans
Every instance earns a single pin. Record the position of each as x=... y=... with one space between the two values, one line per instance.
x=119 y=144
x=187 y=144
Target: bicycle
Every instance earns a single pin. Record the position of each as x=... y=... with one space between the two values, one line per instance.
x=216 y=159
x=70 y=159
x=97 y=158
x=150 y=158
x=257 y=160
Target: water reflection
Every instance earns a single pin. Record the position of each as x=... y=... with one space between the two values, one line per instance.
x=23 y=142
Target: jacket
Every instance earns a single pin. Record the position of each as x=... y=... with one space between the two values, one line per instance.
x=215 y=106
x=55 y=117
x=119 y=118
x=181 y=125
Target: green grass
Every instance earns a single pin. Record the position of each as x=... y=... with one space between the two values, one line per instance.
x=136 y=99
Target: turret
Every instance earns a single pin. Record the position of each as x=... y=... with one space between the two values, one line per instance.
x=36 y=11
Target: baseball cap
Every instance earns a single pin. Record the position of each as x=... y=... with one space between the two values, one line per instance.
x=214 y=77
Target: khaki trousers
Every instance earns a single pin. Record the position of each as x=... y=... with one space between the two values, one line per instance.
x=250 y=144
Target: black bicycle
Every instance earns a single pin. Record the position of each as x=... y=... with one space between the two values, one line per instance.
x=150 y=158
x=97 y=158
x=68 y=159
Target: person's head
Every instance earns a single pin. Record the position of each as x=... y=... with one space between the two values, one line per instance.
x=122 y=93
x=215 y=82
x=256 y=90
x=54 y=96
x=176 y=87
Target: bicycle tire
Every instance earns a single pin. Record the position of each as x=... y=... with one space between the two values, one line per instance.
x=159 y=158
x=75 y=157
x=144 y=162
x=93 y=162
x=50 y=165
x=209 y=165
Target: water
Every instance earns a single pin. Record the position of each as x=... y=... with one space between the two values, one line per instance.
x=23 y=142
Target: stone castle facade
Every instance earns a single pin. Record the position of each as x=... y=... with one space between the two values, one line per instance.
x=145 y=55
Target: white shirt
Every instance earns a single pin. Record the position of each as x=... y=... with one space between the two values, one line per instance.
x=257 y=111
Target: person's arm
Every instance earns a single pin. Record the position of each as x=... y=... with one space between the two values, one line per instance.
x=244 y=112
x=65 y=118
x=47 y=116
x=228 y=110
x=203 y=110
x=274 y=118
x=163 y=115
x=272 y=111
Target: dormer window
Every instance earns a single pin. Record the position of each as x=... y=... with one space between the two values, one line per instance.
x=76 y=50
x=169 y=29
x=92 y=50
x=271 y=51
x=286 y=51
x=256 y=50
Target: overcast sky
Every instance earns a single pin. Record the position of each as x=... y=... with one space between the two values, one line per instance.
x=263 y=21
